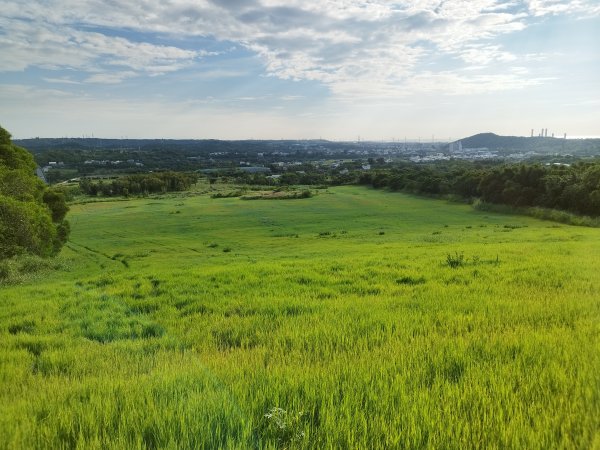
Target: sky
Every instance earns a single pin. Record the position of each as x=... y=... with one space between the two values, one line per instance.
x=299 y=69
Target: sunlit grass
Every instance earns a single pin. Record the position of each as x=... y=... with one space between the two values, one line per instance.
x=330 y=322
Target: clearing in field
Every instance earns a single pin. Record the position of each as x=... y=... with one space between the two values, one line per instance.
x=353 y=319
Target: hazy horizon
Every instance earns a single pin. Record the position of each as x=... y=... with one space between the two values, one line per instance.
x=408 y=139
x=273 y=69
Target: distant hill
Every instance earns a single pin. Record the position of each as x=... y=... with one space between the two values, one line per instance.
x=544 y=145
x=494 y=142
x=192 y=146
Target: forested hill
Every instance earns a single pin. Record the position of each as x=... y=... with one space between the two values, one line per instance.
x=536 y=144
x=192 y=146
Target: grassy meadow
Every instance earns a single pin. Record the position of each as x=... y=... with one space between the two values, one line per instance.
x=352 y=319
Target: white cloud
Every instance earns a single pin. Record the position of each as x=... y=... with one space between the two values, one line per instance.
x=482 y=55
x=60 y=80
x=456 y=84
x=554 y=7
x=110 y=78
x=26 y=44
x=355 y=47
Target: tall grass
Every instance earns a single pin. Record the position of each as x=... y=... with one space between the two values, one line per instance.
x=538 y=212
x=315 y=331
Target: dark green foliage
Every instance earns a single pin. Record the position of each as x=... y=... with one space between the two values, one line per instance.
x=573 y=188
x=20 y=183
x=227 y=194
x=4 y=270
x=25 y=227
x=411 y=281
x=56 y=202
x=151 y=183
x=456 y=260
x=62 y=234
x=31 y=215
x=278 y=194
x=13 y=157
x=26 y=326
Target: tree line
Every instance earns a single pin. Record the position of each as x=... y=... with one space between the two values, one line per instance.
x=139 y=184
x=574 y=188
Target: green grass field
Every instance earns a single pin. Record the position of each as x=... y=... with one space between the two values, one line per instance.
x=330 y=322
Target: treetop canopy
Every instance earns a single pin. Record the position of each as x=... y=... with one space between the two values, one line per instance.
x=32 y=215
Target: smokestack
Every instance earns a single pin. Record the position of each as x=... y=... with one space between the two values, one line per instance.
x=532 y=132
x=546 y=133
x=565 y=135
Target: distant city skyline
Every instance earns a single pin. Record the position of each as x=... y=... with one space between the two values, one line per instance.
x=310 y=69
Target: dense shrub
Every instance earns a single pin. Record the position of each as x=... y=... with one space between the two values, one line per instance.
x=575 y=188
x=456 y=260
x=150 y=183
x=31 y=214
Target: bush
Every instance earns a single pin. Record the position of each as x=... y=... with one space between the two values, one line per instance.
x=456 y=260
x=23 y=267
x=4 y=270
x=25 y=227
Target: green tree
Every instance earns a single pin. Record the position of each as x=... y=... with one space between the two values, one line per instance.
x=32 y=216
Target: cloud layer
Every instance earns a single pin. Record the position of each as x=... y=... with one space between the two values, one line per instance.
x=298 y=68
x=355 y=48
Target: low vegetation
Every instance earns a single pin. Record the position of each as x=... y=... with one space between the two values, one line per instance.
x=278 y=195
x=296 y=324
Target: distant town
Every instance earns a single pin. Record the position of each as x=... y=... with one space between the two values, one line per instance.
x=69 y=158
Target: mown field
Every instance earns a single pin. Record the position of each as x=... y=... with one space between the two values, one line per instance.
x=335 y=321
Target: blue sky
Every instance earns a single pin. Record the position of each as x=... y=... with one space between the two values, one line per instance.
x=271 y=69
